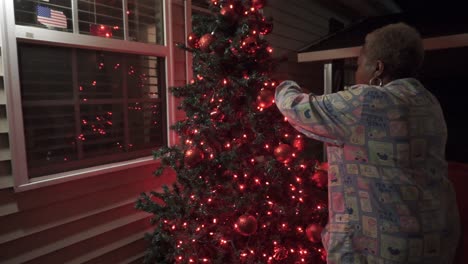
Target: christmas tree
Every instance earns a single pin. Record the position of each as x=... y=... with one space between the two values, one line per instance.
x=248 y=189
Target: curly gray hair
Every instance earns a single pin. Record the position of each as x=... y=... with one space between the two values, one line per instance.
x=399 y=47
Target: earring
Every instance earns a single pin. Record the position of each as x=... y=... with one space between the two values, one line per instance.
x=376 y=79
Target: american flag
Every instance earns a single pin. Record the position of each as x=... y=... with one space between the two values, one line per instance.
x=50 y=17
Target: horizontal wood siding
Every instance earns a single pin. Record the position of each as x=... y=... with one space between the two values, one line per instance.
x=297 y=24
x=90 y=220
x=77 y=221
x=6 y=180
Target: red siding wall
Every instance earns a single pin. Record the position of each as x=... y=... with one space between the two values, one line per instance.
x=90 y=220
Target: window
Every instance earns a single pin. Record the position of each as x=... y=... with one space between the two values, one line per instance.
x=88 y=107
x=90 y=87
x=105 y=18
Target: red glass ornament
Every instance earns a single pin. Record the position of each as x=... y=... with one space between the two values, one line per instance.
x=234 y=51
x=246 y=225
x=323 y=255
x=229 y=13
x=225 y=11
x=205 y=42
x=265 y=98
x=321 y=166
x=192 y=40
x=280 y=253
x=193 y=156
x=249 y=44
x=216 y=115
x=299 y=143
x=283 y=153
x=314 y=233
x=210 y=152
x=258 y=3
x=320 y=178
x=266 y=28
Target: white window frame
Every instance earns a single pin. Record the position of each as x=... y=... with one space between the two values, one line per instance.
x=10 y=33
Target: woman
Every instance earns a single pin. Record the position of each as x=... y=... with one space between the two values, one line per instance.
x=390 y=200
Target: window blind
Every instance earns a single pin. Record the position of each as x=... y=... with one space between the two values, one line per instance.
x=85 y=107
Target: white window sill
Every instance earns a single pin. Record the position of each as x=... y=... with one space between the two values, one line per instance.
x=83 y=173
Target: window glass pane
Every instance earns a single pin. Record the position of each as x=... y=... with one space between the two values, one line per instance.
x=100 y=74
x=145 y=21
x=103 y=18
x=102 y=129
x=54 y=14
x=84 y=108
x=46 y=75
x=49 y=134
x=144 y=83
x=146 y=124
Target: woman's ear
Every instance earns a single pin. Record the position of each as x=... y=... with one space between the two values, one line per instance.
x=379 y=69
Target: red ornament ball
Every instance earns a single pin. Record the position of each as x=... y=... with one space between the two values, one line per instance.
x=193 y=156
x=192 y=40
x=250 y=40
x=314 y=233
x=323 y=255
x=283 y=153
x=265 y=98
x=299 y=143
x=249 y=44
x=280 y=253
x=321 y=166
x=258 y=3
x=210 y=152
x=320 y=178
x=229 y=13
x=205 y=42
x=234 y=51
x=266 y=28
x=216 y=115
x=246 y=225
x=225 y=11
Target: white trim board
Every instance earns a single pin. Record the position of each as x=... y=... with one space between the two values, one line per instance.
x=443 y=42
